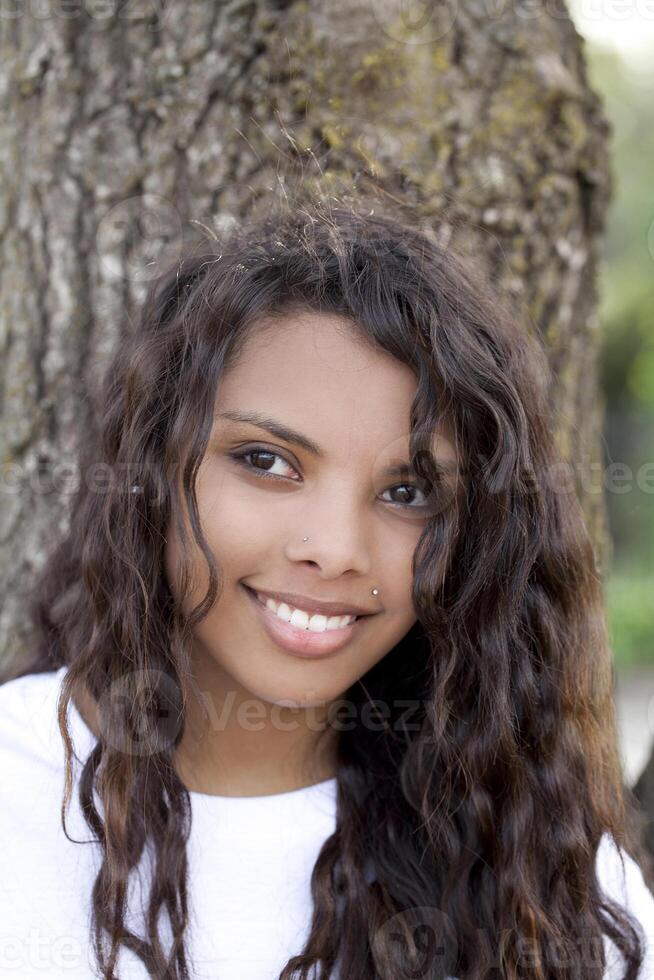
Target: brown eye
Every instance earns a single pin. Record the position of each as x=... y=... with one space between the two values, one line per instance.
x=242 y=459
x=411 y=490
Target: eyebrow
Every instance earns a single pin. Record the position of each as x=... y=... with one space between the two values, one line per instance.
x=285 y=432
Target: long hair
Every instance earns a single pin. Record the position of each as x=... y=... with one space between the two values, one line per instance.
x=482 y=816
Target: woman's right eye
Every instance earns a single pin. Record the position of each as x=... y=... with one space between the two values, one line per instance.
x=241 y=459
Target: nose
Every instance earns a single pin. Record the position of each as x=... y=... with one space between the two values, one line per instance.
x=337 y=535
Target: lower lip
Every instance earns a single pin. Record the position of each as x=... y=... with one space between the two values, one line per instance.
x=302 y=642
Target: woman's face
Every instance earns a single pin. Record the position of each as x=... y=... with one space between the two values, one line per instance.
x=310 y=373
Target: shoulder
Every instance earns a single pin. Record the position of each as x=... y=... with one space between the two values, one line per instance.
x=622 y=881
x=621 y=877
x=28 y=717
x=32 y=763
x=26 y=711
x=30 y=737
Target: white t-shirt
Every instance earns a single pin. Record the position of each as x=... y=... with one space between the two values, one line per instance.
x=250 y=864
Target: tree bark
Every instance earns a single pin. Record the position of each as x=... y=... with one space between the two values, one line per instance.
x=123 y=123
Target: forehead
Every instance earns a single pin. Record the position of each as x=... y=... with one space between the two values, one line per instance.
x=320 y=341
x=318 y=374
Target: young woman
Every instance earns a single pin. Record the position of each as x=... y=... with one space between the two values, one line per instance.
x=322 y=686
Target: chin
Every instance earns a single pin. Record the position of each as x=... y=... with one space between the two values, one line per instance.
x=293 y=697
x=290 y=697
x=306 y=702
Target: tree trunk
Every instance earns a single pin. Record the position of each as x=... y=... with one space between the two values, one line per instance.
x=122 y=124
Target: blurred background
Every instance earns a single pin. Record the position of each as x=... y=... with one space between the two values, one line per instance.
x=619 y=44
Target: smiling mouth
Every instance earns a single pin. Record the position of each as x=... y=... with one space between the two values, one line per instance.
x=299 y=640
x=338 y=620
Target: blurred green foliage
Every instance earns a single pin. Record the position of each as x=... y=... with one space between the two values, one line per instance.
x=628 y=596
x=627 y=360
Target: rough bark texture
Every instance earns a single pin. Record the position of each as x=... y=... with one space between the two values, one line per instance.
x=124 y=123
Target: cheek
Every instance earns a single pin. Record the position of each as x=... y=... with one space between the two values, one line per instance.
x=395 y=579
x=170 y=561
x=235 y=530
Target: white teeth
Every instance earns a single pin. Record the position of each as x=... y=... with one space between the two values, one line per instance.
x=316 y=623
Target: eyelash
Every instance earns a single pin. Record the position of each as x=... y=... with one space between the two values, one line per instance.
x=240 y=459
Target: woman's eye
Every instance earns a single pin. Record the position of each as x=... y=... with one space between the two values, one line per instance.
x=266 y=472
x=242 y=457
x=412 y=490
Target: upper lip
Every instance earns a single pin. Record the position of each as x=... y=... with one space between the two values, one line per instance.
x=297 y=601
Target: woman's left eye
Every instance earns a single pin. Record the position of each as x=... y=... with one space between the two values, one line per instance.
x=241 y=458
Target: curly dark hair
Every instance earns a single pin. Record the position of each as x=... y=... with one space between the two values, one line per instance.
x=492 y=807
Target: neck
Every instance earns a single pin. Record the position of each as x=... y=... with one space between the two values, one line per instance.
x=236 y=744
